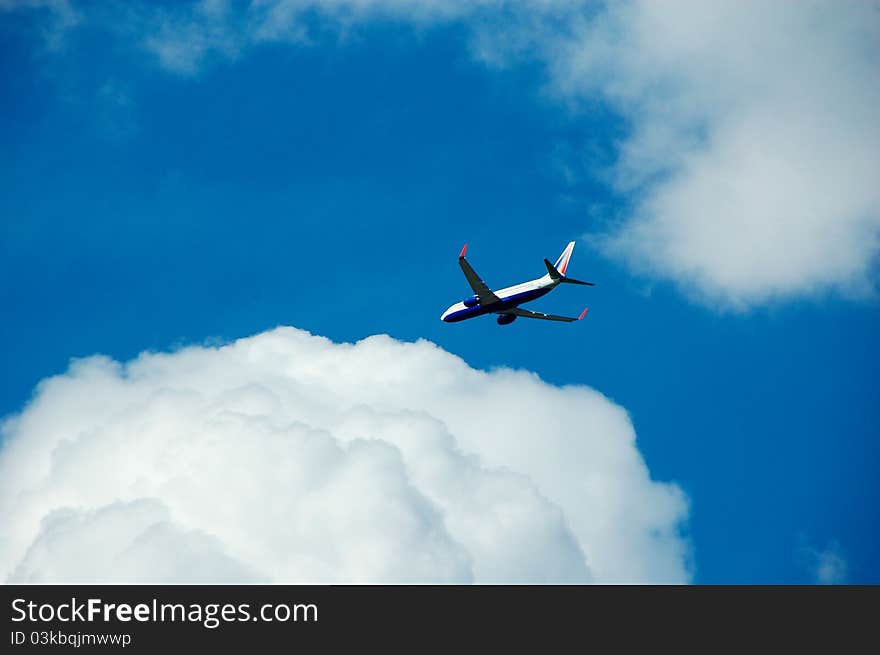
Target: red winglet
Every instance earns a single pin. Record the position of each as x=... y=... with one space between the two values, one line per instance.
x=463 y=251
x=583 y=313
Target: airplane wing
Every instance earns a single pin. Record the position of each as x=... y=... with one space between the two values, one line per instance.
x=525 y=313
x=482 y=291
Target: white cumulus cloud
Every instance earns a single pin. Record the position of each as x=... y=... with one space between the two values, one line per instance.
x=285 y=457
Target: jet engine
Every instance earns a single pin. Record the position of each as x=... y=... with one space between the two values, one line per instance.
x=471 y=301
x=506 y=319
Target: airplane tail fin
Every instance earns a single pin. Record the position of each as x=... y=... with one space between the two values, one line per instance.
x=557 y=270
x=561 y=264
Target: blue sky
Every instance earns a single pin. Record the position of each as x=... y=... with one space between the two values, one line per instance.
x=330 y=187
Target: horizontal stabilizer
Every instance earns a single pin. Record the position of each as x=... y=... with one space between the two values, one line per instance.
x=556 y=275
x=551 y=269
x=569 y=280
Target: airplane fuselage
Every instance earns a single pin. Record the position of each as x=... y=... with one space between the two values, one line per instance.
x=509 y=298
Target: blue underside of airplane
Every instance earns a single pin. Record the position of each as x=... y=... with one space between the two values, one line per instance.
x=494 y=308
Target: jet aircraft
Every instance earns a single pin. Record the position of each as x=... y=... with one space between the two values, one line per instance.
x=506 y=302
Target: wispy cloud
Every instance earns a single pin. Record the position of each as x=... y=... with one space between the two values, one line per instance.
x=183 y=37
x=60 y=17
x=826 y=566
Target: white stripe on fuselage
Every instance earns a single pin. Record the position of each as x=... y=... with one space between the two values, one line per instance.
x=509 y=292
x=532 y=285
